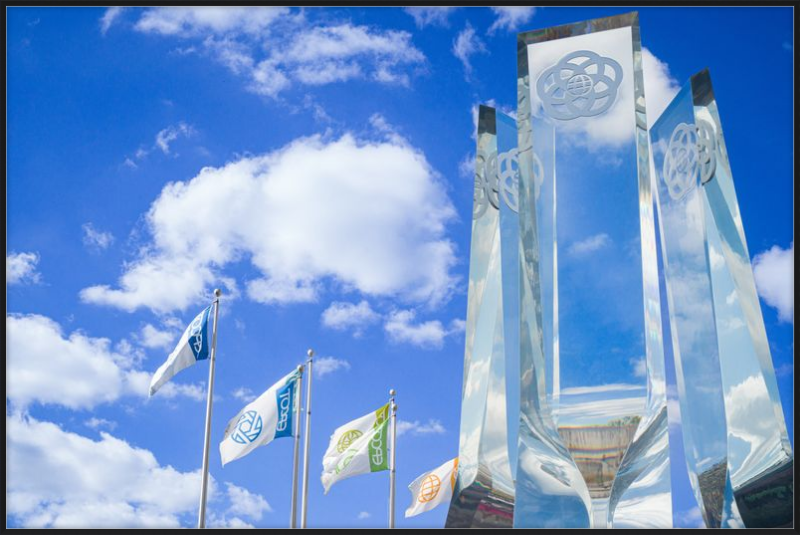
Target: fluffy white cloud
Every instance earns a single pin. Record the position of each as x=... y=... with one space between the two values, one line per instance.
x=510 y=18
x=246 y=503
x=659 y=85
x=363 y=515
x=774 y=274
x=466 y=44
x=639 y=367
x=342 y=316
x=152 y=337
x=97 y=423
x=190 y=21
x=95 y=239
x=590 y=244
x=369 y=215
x=325 y=365
x=271 y=48
x=400 y=327
x=61 y=479
x=430 y=15
x=433 y=427
x=78 y=371
x=21 y=268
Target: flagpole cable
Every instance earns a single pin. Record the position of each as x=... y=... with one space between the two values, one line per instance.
x=304 y=509
x=297 y=415
x=393 y=408
x=201 y=523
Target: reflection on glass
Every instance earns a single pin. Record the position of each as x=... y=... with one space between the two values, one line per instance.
x=484 y=494
x=593 y=440
x=736 y=442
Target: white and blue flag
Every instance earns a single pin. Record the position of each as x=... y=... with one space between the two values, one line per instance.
x=193 y=346
x=269 y=417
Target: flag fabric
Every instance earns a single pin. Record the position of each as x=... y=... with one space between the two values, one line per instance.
x=193 y=346
x=269 y=417
x=432 y=488
x=357 y=447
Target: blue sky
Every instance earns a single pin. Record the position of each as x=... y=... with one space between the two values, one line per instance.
x=315 y=164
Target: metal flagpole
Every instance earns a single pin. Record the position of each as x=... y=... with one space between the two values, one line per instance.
x=393 y=408
x=297 y=401
x=304 y=509
x=201 y=523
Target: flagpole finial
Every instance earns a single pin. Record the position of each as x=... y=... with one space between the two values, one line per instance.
x=310 y=353
x=392 y=392
x=217 y=292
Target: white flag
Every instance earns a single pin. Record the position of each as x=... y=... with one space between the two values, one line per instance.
x=269 y=417
x=357 y=447
x=193 y=346
x=432 y=488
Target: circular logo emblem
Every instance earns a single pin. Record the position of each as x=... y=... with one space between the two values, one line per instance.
x=430 y=488
x=347 y=439
x=681 y=161
x=247 y=428
x=346 y=460
x=508 y=178
x=706 y=150
x=581 y=84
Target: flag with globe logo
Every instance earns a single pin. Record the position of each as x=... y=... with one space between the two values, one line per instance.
x=433 y=488
x=192 y=347
x=268 y=417
x=357 y=447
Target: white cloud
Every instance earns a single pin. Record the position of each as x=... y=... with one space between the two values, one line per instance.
x=109 y=17
x=369 y=216
x=466 y=44
x=244 y=394
x=363 y=515
x=466 y=167
x=430 y=15
x=774 y=274
x=97 y=423
x=21 y=268
x=272 y=48
x=170 y=134
x=510 y=18
x=154 y=338
x=599 y=411
x=692 y=518
x=659 y=85
x=590 y=244
x=433 y=427
x=600 y=389
x=401 y=328
x=95 y=239
x=61 y=479
x=78 y=372
x=342 y=316
x=246 y=503
x=325 y=365
x=639 y=367
x=189 y=21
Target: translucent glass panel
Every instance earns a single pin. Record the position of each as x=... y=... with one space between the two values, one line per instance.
x=733 y=426
x=484 y=494
x=594 y=349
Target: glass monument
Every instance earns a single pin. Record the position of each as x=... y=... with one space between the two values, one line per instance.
x=737 y=450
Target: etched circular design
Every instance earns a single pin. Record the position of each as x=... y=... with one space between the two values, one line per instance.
x=430 y=488
x=706 y=150
x=247 y=428
x=347 y=439
x=681 y=161
x=581 y=84
x=508 y=177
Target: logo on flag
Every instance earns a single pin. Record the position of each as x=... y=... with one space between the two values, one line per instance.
x=376 y=445
x=247 y=428
x=430 y=488
x=347 y=439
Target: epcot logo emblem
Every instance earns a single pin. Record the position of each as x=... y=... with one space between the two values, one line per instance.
x=691 y=150
x=247 y=428
x=581 y=84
